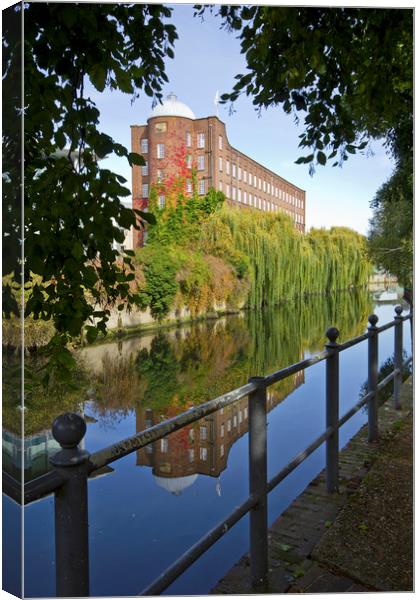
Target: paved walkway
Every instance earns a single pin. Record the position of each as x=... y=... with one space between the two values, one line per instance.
x=357 y=540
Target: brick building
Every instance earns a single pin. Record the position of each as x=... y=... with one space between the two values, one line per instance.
x=245 y=183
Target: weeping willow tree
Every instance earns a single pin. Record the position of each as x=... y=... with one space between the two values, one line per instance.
x=285 y=264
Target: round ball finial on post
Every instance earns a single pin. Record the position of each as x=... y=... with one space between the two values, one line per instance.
x=398 y=310
x=373 y=320
x=332 y=334
x=68 y=430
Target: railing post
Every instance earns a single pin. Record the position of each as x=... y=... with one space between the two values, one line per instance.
x=257 y=410
x=373 y=432
x=398 y=356
x=71 y=508
x=332 y=407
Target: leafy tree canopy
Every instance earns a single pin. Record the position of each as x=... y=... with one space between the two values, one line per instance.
x=347 y=71
x=72 y=209
x=347 y=74
x=391 y=227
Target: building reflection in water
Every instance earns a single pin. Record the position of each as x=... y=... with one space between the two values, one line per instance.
x=36 y=451
x=201 y=448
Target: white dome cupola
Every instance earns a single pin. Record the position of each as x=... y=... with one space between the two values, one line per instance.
x=175 y=485
x=172 y=107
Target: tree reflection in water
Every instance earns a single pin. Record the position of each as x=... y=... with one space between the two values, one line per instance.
x=157 y=377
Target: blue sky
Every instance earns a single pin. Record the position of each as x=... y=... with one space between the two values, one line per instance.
x=207 y=59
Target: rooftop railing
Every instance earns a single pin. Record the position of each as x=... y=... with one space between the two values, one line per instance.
x=73 y=466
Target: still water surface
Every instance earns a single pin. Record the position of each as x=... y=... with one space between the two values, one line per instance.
x=155 y=503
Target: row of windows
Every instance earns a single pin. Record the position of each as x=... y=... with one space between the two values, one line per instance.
x=242 y=196
x=160 y=153
x=161 y=128
x=164 y=443
x=257 y=182
x=201 y=190
x=164 y=448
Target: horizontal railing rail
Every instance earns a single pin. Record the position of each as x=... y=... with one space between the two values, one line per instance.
x=155 y=433
x=72 y=466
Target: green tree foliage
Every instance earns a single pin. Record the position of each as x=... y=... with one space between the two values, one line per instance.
x=73 y=211
x=177 y=273
x=284 y=263
x=234 y=258
x=391 y=229
x=159 y=269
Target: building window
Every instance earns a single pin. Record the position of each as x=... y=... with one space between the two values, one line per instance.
x=164 y=445
x=255 y=181
x=144 y=146
x=191 y=434
x=220 y=186
x=201 y=140
x=161 y=201
x=159 y=175
x=239 y=173
x=220 y=164
x=203 y=453
x=145 y=169
x=227 y=167
x=245 y=198
x=240 y=416
x=202 y=187
x=188 y=139
x=200 y=163
x=245 y=413
x=259 y=203
x=160 y=150
x=229 y=425
x=145 y=190
x=203 y=433
x=233 y=193
x=264 y=205
x=259 y=183
x=220 y=142
x=264 y=186
x=188 y=161
x=222 y=450
x=249 y=178
x=189 y=186
x=239 y=195
x=191 y=455
x=255 y=201
x=244 y=176
x=233 y=170
x=160 y=127
x=222 y=430
x=235 y=421
x=227 y=190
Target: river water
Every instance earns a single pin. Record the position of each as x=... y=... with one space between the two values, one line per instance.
x=155 y=503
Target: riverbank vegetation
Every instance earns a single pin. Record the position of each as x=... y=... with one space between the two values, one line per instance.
x=205 y=256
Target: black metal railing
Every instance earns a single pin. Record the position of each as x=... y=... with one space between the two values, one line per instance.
x=72 y=466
